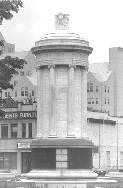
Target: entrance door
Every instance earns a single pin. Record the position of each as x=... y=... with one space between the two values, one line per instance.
x=26 y=162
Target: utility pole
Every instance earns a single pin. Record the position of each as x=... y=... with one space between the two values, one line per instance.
x=117 y=146
x=99 y=146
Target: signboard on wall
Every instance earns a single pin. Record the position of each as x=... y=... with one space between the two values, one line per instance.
x=24 y=145
x=20 y=115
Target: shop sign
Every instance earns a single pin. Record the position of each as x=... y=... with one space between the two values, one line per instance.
x=20 y=115
x=23 y=145
x=48 y=185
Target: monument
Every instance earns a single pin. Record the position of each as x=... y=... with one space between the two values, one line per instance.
x=60 y=150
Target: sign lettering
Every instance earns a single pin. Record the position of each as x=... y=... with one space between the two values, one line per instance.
x=20 y=115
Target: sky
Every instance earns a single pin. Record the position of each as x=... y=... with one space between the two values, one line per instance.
x=98 y=21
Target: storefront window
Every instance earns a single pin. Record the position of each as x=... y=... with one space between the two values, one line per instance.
x=8 y=160
x=13 y=130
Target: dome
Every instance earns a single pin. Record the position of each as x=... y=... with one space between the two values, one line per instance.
x=63 y=42
x=61 y=38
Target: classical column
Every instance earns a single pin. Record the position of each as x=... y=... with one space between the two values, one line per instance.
x=52 y=105
x=70 y=128
x=39 y=102
x=83 y=100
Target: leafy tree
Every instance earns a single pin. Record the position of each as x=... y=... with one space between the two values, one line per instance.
x=8 y=7
x=8 y=67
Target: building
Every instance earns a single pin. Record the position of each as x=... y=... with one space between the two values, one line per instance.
x=17 y=129
x=7 y=48
x=105 y=91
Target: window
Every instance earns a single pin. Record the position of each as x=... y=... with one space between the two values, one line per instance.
x=89 y=102
x=8 y=94
x=108 y=101
x=88 y=87
x=91 y=87
x=105 y=89
x=22 y=91
x=5 y=94
x=97 y=88
x=15 y=83
x=8 y=160
x=32 y=92
x=15 y=93
x=26 y=91
x=97 y=101
x=13 y=130
x=30 y=130
x=28 y=73
x=23 y=130
x=4 y=131
x=105 y=101
x=108 y=89
x=21 y=73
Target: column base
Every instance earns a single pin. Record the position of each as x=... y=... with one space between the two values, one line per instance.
x=61 y=174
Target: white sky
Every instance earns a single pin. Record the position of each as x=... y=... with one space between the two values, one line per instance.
x=98 y=21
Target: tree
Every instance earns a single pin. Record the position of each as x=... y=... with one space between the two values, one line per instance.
x=8 y=7
x=8 y=67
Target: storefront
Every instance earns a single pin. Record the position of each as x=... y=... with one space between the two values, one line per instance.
x=17 y=129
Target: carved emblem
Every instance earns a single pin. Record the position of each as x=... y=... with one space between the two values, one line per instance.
x=62 y=21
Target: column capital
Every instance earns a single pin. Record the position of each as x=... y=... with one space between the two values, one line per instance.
x=72 y=66
x=51 y=66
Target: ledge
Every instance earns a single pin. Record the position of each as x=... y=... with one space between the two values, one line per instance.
x=61 y=143
x=64 y=173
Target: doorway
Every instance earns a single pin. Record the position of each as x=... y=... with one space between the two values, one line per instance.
x=26 y=162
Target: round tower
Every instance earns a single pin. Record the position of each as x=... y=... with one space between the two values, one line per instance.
x=62 y=63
